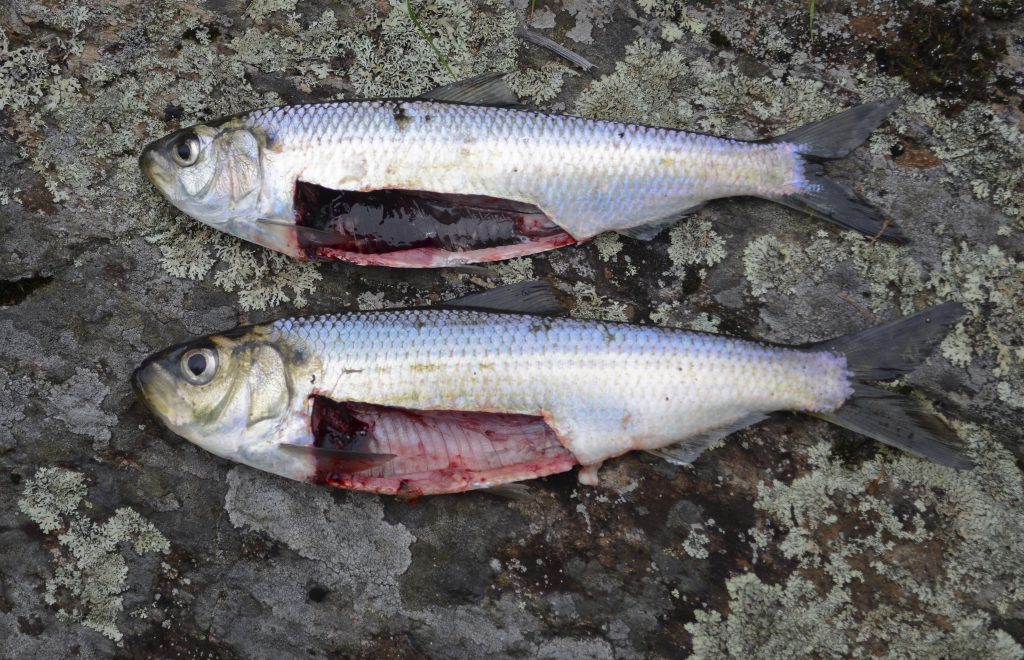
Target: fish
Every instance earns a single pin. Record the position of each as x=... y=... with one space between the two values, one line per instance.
x=500 y=387
x=463 y=174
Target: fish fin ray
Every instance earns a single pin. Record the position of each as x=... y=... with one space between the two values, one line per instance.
x=651 y=230
x=340 y=460
x=307 y=236
x=838 y=135
x=647 y=232
x=510 y=491
x=888 y=351
x=534 y=297
x=830 y=200
x=642 y=221
x=828 y=139
x=484 y=89
x=687 y=451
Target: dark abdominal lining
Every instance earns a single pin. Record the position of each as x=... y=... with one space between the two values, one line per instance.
x=385 y=221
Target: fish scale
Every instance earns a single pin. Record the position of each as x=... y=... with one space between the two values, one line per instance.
x=589 y=176
x=606 y=388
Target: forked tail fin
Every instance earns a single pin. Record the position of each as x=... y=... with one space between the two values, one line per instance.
x=828 y=139
x=885 y=352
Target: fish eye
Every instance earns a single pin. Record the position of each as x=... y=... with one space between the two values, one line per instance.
x=199 y=365
x=186 y=150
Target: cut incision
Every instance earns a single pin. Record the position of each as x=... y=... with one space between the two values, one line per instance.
x=418 y=229
x=399 y=451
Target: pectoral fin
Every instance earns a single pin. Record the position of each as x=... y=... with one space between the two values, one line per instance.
x=339 y=460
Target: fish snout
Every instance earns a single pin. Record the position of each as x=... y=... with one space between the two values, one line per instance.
x=156 y=168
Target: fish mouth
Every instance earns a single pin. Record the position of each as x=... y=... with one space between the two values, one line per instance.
x=154 y=166
x=154 y=386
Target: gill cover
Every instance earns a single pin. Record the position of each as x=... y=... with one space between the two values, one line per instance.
x=269 y=388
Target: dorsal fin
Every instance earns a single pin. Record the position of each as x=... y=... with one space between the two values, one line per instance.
x=485 y=89
x=538 y=298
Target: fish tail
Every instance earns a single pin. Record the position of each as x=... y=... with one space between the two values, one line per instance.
x=829 y=139
x=886 y=352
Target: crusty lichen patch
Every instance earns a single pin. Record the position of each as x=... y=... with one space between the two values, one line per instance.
x=858 y=536
x=91 y=570
x=77 y=401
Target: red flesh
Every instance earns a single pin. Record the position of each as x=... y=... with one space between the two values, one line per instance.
x=418 y=229
x=435 y=451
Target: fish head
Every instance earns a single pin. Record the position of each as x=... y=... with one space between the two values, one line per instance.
x=231 y=394
x=212 y=172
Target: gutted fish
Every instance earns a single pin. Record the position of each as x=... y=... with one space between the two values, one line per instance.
x=479 y=393
x=459 y=176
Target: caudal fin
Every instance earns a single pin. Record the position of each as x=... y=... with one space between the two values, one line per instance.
x=885 y=352
x=828 y=139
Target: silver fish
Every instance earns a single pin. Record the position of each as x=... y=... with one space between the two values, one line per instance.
x=444 y=179
x=425 y=401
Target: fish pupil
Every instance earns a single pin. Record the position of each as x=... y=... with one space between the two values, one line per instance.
x=196 y=364
x=184 y=151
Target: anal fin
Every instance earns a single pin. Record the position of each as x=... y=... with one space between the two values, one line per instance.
x=651 y=230
x=687 y=451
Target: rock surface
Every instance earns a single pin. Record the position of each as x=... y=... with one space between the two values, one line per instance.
x=790 y=539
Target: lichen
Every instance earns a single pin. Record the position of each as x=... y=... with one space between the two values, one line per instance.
x=539 y=86
x=91 y=572
x=693 y=243
x=696 y=543
x=391 y=57
x=592 y=305
x=976 y=549
x=588 y=15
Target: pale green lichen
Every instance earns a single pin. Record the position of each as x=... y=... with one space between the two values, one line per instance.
x=589 y=15
x=514 y=270
x=539 y=86
x=675 y=18
x=696 y=543
x=274 y=274
x=695 y=243
x=979 y=546
x=91 y=573
x=397 y=61
x=592 y=305
x=608 y=245
x=635 y=92
x=51 y=495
